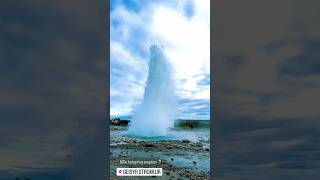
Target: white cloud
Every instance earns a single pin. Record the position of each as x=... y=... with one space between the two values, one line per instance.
x=186 y=41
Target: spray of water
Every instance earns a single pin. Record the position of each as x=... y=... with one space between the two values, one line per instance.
x=156 y=113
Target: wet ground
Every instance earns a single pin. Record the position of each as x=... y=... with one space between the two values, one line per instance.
x=182 y=155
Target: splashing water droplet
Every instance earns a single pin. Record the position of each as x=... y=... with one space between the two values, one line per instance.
x=156 y=113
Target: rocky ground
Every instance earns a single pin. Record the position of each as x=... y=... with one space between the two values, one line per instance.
x=179 y=159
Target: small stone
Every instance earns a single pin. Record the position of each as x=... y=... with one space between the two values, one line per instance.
x=194 y=162
x=171 y=159
x=149 y=145
x=185 y=141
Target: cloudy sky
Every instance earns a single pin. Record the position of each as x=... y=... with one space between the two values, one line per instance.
x=267 y=84
x=183 y=28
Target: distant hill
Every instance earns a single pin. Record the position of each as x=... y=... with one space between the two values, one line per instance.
x=122 y=117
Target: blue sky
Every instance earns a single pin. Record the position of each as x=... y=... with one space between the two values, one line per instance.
x=183 y=28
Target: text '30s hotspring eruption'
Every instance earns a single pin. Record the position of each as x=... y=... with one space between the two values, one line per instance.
x=156 y=113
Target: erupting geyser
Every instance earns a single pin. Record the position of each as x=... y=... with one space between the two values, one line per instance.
x=156 y=113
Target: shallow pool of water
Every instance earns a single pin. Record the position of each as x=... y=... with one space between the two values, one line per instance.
x=195 y=135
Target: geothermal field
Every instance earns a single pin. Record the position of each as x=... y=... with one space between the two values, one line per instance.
x=154 y=137
x=183 y=153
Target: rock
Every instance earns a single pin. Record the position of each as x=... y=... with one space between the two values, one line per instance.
x=149 y=145
x=168 y=173
x=207 y=149
x=194 y=162
x=185 y=141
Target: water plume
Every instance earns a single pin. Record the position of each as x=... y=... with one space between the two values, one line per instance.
x=156 y=113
